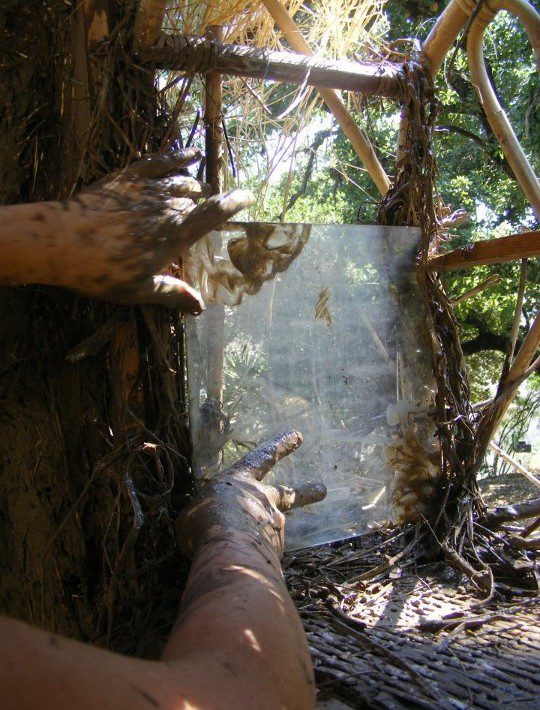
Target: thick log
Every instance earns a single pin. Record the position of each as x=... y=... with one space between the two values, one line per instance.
x=510 y=513
x=493 y=251
x=201 y=55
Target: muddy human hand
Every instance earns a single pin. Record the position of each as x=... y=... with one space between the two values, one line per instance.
x=238 y=501
x=113 y=239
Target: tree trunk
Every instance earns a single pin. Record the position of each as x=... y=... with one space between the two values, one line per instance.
x=87 y=492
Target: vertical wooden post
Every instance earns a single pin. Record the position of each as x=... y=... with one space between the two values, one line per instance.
x=213 y=121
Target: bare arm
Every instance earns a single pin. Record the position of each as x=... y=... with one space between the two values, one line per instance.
x=236 y=609
x=238 y=642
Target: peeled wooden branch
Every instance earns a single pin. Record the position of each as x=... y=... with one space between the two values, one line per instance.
x=213 y=122
x=213 y=128
x=515 y=464
x=359 y=141
x=492 y=251
x=445 y=31
x=526 y=352
x=495 y=115
x=520 y=370
x=512 y=338
x=533 y=367
x=454 y=18
x=199 y=55
x=487 y=283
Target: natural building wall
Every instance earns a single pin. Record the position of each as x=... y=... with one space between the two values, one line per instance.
x=87 y=492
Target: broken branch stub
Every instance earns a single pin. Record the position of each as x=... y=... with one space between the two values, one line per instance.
x=509 y=513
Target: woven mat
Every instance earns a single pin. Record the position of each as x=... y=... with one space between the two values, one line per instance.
x=377 y=643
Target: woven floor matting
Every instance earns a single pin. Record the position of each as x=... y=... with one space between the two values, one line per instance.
x=379 y=644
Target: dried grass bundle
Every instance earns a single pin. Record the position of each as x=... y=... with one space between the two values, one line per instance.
x=336 y=28
x=333 y=28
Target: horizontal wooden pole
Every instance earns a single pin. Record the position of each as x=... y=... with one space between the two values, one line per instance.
x=201 y=55
x=493 y=251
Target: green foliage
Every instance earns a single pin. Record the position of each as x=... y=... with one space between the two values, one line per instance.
x=484 y=372
x=495 y=307
x=329 y=184
x=473 y=173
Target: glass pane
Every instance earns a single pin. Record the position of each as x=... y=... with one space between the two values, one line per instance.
x=328 y=347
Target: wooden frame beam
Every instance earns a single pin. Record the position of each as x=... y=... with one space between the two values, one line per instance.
x=493 y=251
x=200 y=55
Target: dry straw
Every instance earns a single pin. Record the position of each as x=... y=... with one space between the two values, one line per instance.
x=333 y=28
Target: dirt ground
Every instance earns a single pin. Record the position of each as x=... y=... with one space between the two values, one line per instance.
x=419 y=637
x=418 y=634
x=506 y=489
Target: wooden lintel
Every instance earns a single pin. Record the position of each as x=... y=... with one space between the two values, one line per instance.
x=493 y=251
x=201 y=55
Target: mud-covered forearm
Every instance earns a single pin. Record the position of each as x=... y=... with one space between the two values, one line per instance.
x=31 y=241
x=236 y=610
x=115 y=238
x=87 y=243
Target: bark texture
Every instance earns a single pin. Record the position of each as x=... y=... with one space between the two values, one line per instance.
x=93 y=450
